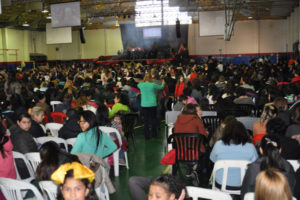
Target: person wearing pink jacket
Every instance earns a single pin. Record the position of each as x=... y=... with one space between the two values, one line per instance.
x=7 y=167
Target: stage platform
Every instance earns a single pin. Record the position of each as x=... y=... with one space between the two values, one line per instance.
x=134 y=61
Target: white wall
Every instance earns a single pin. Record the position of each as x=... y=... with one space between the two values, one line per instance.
x=264 y=36
x=252 y=36
x=293 y=28
x=99 y=42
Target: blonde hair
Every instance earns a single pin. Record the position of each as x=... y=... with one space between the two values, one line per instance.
x=36 y=111
x=269 y=112
x=82 y=101
x=272 y=185
x=147 y=77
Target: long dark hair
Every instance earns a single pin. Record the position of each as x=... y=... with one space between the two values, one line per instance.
x=123 y=98
x=91 y=186
x=271 y=145
x=3 y=139
x=102 y=116
x=236 y=133
x=189 y=109
x=90 y=117
x=50 y=155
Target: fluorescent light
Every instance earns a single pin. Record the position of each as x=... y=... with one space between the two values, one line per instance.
x=49 y=17
x=250 y=17
x=25 y=24
x=149 y=14
x=45 y=11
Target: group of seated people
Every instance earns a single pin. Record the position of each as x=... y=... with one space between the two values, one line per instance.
x=93 y=96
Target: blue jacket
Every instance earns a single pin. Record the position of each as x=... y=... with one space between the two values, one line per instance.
x=221 y=151
x=86 y=142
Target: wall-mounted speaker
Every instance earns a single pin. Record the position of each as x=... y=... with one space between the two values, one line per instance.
x=82 y=38
x=178 y=33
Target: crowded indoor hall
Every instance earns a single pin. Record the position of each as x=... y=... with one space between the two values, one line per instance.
x=150 y=99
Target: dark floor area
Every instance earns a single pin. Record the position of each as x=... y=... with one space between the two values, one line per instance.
x=145 y=161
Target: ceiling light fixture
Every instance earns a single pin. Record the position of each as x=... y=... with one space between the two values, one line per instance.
x=49 y=17
x=148 y=13
x=250 y=17
x=45 y=11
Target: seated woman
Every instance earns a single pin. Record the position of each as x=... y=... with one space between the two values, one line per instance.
x=121 y=104
x=41 y=102
x=270 y=149
x=7 y=167
x=20 y=137
x=71 y=127
x=37 y=116
x=271 y=184
x=234 y=145
x=51 y=158
x=220 y=129
x=76 y=181
x=259 y=127
x=83 y=103
x=92 y=140
x=190 y=122
x=290 y=147
x=293 y=130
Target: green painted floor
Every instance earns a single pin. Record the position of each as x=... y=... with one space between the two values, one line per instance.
x=145 y=161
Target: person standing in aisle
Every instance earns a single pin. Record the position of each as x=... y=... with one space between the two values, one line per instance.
x=149 y=104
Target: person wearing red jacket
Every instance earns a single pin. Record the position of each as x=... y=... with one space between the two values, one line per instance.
x=180 y=85
x=189 y=122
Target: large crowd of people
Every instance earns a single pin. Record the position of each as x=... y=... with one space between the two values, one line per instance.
x=93 y=95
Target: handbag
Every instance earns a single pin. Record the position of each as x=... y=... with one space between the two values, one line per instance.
x=169 y=158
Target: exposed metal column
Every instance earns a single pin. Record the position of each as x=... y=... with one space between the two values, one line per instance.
x=230 y=16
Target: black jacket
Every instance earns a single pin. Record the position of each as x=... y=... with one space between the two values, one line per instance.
x=70 y=129
x=23 y=141
x=290 y=148
x=254 y=169
x=36 y=130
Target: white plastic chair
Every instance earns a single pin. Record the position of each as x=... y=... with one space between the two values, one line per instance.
x=225 y=165
x=102 y=191
x=295 y=164
x=34 y=159
x=251 y=196
x=209 y=113
x=18 y=155
x=71 y=141
x=248 y=121
x=54 y=128
x=13 y=189
x=171 y=117
x=197 y=192
x=49 y=189
x=53 y=103
x=42 y=140
x=109 y=130
x=43 y=127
